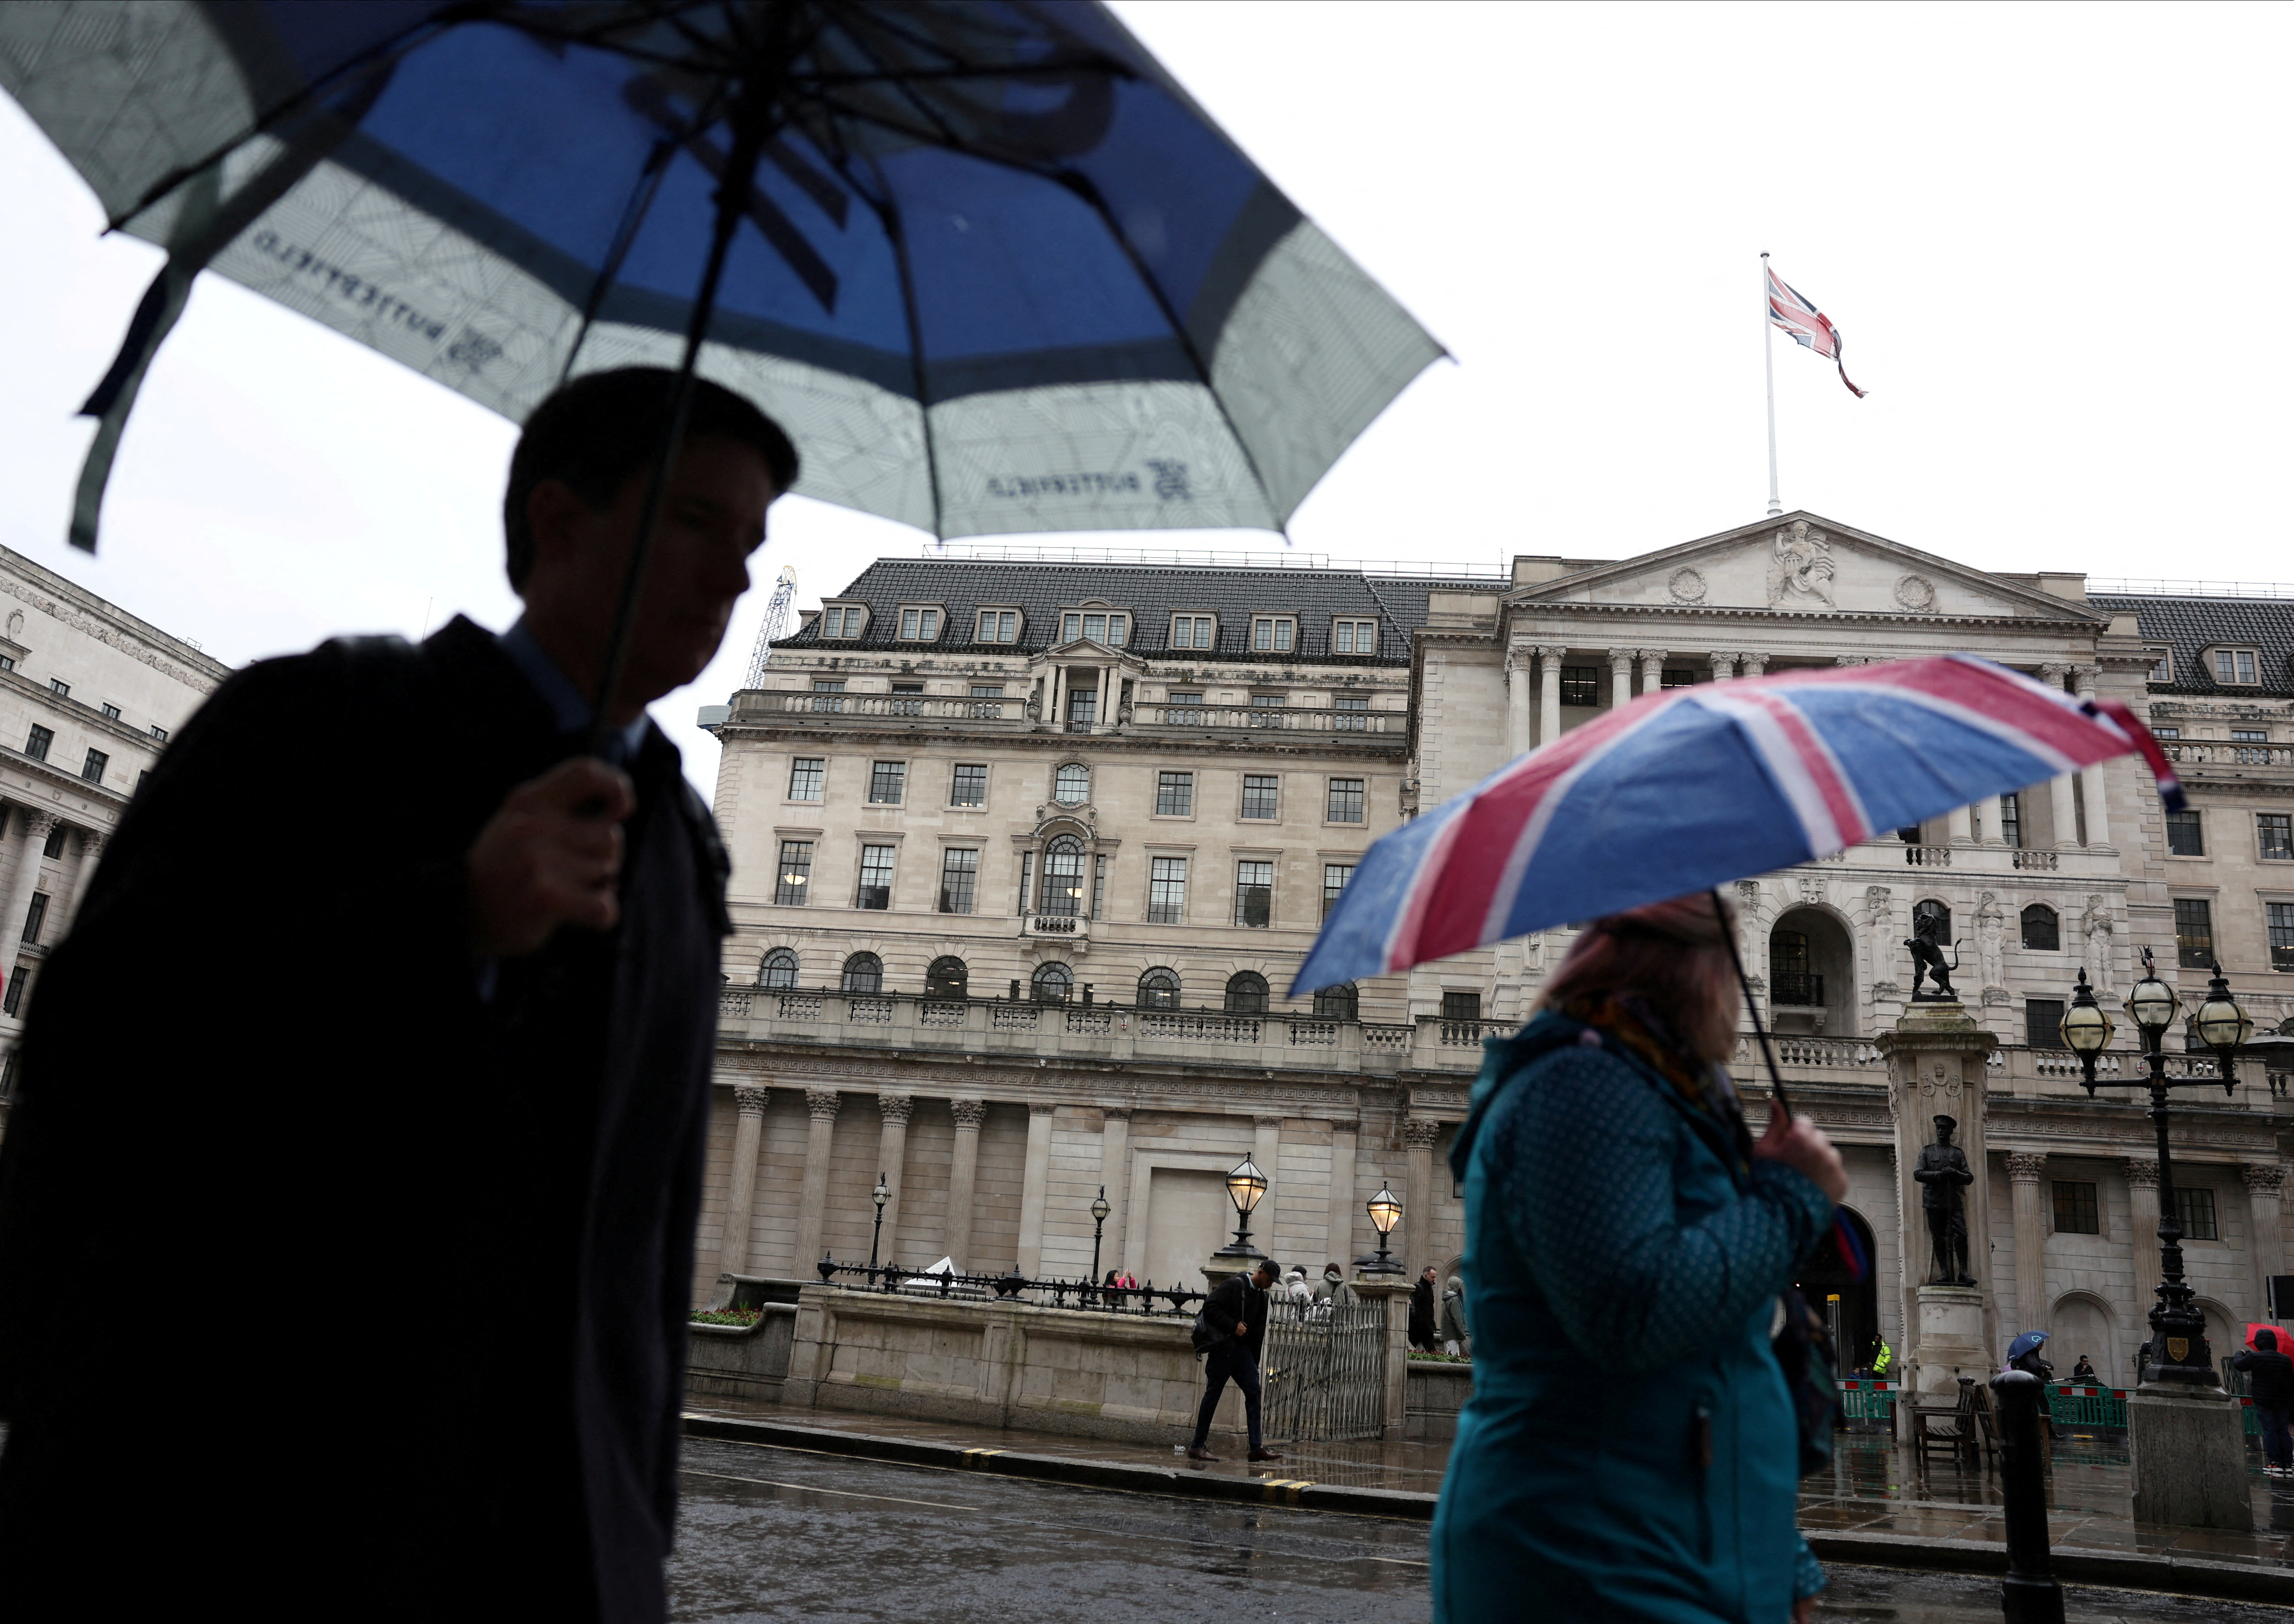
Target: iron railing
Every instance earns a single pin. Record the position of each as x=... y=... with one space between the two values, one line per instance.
x=906 y=1280
x=1797 y=991
x=1325 y=1370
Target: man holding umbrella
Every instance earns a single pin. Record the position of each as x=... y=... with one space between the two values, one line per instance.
x=361 y=1252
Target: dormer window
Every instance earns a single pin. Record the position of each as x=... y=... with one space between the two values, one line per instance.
x=1273 y=633
x=2234 y=665
x=842 y=619
x=2164 y=672
x=1110 y=630
x=919 y=625
x=1353 y=637
x=999 y=626
x=1194 y=631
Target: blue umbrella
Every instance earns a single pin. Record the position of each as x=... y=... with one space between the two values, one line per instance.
x=2024 y=1343
x=988 y=263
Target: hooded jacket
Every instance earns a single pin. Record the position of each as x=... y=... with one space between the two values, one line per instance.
x=2271 y=1371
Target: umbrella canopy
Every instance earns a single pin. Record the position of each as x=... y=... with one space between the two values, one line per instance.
x=2024 y=1343
x=992 y=267
x=1687 y=788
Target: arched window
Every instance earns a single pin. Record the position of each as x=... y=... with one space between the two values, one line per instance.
x=779 y=970
x=1791 y=979
x=1063 y=892
x=946 y=977
x=863 y=972
x=1071 y=784
x=1341 y=1002
x=2041 y=929
x=1246 y=992
x=1052 y=983
x=1159 y=989
x=1933 y=920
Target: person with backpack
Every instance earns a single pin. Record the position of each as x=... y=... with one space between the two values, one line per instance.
x=1229 y=1335
x=2270 y=1373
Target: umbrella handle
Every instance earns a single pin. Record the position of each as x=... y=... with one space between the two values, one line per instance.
x=1752 y=1008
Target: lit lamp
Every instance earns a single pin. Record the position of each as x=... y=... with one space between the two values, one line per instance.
x=880 y=1195
x=1099 y=1212
x=1246 y=1186
x=1385 y=1213
x=2086 y=1029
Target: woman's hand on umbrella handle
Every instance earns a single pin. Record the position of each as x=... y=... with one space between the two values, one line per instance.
x=1802 y=1146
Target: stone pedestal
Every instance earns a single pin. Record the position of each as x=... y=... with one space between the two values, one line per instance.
x=2189 y=1450
x=1393 y=1291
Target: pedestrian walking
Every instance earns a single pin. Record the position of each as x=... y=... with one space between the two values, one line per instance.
x=1627 y=1242
x=1421 y=1312
x=2271 y=1380
x=534 y=935
x=1453 y=1317
x=1235 y=1317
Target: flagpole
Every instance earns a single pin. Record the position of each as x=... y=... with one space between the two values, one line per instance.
x=1768 y=356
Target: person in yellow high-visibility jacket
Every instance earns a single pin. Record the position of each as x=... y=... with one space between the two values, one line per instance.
x=1887 y=1356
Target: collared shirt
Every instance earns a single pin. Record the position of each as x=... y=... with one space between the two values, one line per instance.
x=567 y=704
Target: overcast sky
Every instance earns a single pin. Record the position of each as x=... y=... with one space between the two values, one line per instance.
x=2053 y=238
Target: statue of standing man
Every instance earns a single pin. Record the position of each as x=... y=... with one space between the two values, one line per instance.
x=1943 y=1174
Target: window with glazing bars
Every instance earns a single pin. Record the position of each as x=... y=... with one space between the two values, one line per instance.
x=93 y=769
x=1099 y=886
x=2249 y=746
x=1193 y=631
x=794 y=881
x=1353 y=637
x=828 y=693
x=999 y=626
x=12 y=1001
x=1352 y=714
x=2194 y=933
x=1462 y=1006
x=36 y=742
x=1062 y=889
x=2275 y=834
x=2233 y=665
x=2075 y=1209
x=967 y=785
x=2183 y=837
x=1182 y=709
x=1676 y=679
x=2043 y=1022
x=1254 y=893
x=959 y=879
x=837 y=621
x=1167 y=890
x=34 y=917
x=806 y=775
x=986 y=699
x=1259 y=794
x=2280 y=918
x=875 y=887
x=2011 y=819
x=1347 y=800
x=1581 y=685
x=1270 y=636
x=888 y=781
x=1335 y=876
x=907 y=699
x=919 y=625
x=1175 y=794
x=2196 y=1209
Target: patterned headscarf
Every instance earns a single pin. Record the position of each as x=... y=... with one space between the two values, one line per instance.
x=1627 y=1020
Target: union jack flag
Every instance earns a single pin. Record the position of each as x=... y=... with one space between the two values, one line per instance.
x=1797 y=314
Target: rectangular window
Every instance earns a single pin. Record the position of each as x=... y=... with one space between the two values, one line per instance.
x=2011 y=819
x=907 y=699
x=2238 y=736
x=1026 y=868
x=806 y=775
x=1353 y=637
x=55 y=842
x=1347 y=800
x=1260 y=794
x=1099 y=886
x=35 y=916
x=999 y=626
x=1270 y=636
x=2194 y=933
x=839 y=621
x=1462 y=1006
x=1094 y=628
x=967 y=785
x=113 y=712
x=794 y=880
x=986 y=699
x=2166 y=733
x=1182 y=709
x=1581 y=685
x=36 y=742
x=919 y=625
x=160 y=733
x=888 y=782
x=2196 y=1209
x=1083 y=705
x=2249 y=746
x=91 y=769
x=2075 y=1209
x=1266 y=709
x=60 y=686
x=875 y=888
x=1166 y=891
x=2274 y=833
x=1071 y=628
x=1119 y=630
x=1193 y=631
x=1351 y=713
x=1175 y=794
x=1676 y=679
x=828 y=693
x=959 y=880
x=2164 y=672
x=2183 y=838
x=2280 y=917
x=1335 y=876
x=1254 y=893
x=8 y=663
x=2234 y=665
x=2043 y=1022
x=12 y=1001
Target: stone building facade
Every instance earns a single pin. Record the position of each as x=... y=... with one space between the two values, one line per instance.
x=985 y=946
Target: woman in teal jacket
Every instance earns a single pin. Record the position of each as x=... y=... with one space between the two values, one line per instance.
x=1630 y=1451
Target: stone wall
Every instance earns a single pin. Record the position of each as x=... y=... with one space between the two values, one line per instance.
x=1435 y=1393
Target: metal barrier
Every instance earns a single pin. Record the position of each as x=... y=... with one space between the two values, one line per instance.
x=908 y=1280
x=1868 y=1404
x=1325 y=1371
x=2078 y=1405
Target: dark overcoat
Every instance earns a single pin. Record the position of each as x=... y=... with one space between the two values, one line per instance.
x=326 y=1255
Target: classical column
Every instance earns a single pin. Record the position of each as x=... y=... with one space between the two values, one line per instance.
x=1266 y=1150
x=1724 y=665
x=2142 y=1220
x=36 y=825
x=1959 y=826
x=2094 y=792
x=1621 y=677
x=1754 y=665
x=962 y=1178
x=1417 y=1137
x=1035 y=1176
x=2264 y=1182
x=1517 y=681
x=2024 y=1172
x=1115 y=1174
x=2063 y=812
x=1549 y=694
x=892 y=1157
x=741 y=1185
x=812 y=1203
x=91 y=852
x=1651 y=670
x=1341 y=1234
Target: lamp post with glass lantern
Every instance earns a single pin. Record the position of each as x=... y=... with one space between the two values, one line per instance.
x=880 y=1195
x=2178 y=1350
x=1099 y=1212
x=1246 y=1186
x=1385 y=1213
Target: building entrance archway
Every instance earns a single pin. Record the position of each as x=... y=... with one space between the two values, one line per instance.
x=1826 y=1273
x=1812 y=974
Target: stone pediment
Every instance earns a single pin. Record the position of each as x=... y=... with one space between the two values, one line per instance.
x=1804 y=564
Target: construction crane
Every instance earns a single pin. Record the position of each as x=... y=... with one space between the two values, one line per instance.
x=778 y=613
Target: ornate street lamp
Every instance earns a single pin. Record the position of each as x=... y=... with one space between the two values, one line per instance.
x=1099 y=1212
x=2178 y=1351
x=1385 y=1213
x=880 y=1195
x=1245 y=1187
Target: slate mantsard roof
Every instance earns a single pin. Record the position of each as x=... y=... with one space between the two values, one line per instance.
x=2192 y=625
x=1150 y=595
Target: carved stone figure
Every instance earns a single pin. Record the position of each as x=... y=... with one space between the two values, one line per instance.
x=1943 y=1174
x=1800 y=570
x=1990 y=937
x=1927 y=961
x=2095 y=925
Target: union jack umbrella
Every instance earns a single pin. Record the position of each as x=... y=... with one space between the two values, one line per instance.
x=1687 y=788
x=1795 y=312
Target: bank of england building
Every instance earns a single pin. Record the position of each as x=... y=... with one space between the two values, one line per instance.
x=1026 y=854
